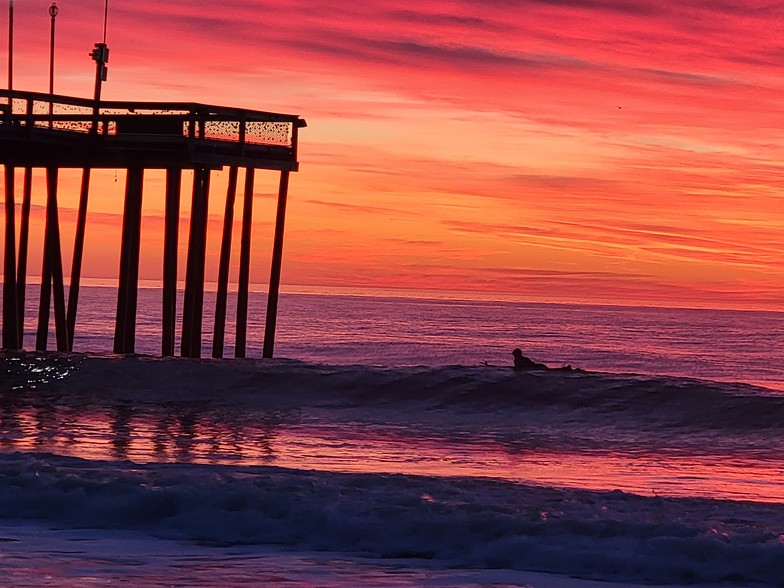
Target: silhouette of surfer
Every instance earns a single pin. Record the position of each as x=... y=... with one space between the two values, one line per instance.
x=521 y=362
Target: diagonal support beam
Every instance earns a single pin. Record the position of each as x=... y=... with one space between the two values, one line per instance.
x=277 y=261
x=244 y=277
x=76 y=263
x=52 y=279
x=219 y=330
x=24 y=237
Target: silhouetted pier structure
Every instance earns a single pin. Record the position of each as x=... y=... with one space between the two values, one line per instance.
x=55 y=132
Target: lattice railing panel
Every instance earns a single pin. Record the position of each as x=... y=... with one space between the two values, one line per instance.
x=222 y=130
x=269 y=133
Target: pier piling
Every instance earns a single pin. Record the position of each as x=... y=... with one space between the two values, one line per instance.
x=10 y=302
x=193 y=301
x=53 y=270
x=127 y=291
x=219 y=328
x=170 y=243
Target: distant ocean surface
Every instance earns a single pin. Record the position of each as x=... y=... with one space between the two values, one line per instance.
x=723 y=345
x=390 y=444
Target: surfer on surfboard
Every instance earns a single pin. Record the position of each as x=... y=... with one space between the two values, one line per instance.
x=522 y=363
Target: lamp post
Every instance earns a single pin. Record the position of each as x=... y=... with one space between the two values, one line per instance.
x=100 y=55
x=53 y=13
x=10 y=58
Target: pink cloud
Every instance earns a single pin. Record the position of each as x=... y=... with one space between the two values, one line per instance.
x=603 y=129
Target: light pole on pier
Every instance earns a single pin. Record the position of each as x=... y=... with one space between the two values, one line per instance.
x=53 y=13
x=100 y=55
x=10 y=55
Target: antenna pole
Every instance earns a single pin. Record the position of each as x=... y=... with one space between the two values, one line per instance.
x=10 y=52
x=105 y=19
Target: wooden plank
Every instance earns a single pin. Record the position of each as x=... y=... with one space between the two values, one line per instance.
x=150 y=124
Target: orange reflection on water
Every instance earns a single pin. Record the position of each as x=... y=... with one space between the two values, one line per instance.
x=284 y=439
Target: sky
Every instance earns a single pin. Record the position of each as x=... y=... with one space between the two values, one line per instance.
x=592 y=151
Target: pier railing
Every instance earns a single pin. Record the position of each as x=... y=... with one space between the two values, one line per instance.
x=192 y=134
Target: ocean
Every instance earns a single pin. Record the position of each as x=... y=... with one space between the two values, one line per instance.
x=389 y=443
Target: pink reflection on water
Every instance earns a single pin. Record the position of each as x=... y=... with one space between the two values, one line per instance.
x=284 y=440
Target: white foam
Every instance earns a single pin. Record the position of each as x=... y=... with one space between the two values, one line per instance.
x=437 y=523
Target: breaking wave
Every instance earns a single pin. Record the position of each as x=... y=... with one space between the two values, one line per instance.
x=461 y=522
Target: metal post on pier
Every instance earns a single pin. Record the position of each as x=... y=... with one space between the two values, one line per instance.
x=277 y=260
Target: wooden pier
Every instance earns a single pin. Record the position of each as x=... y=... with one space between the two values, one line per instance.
x=56 y=132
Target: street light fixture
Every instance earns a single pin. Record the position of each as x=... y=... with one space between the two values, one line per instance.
x=100 y=54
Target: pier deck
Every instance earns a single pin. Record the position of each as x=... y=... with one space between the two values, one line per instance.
x=55 y=132
x=42 y=130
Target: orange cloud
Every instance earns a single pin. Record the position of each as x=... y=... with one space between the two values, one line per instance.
x=599 y=151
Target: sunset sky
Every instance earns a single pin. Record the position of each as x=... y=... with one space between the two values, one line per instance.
x=598 y=151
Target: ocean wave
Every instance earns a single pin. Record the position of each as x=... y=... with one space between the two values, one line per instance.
x=462 y=522
x=278 y=411
x=497 y=391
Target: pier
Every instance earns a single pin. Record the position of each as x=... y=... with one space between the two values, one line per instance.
x=52 y=132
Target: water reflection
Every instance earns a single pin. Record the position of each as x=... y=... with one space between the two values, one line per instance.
x=46 y=423
x=36 y=420
x=10 y=424
x=121 y=431
x=93 y=424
